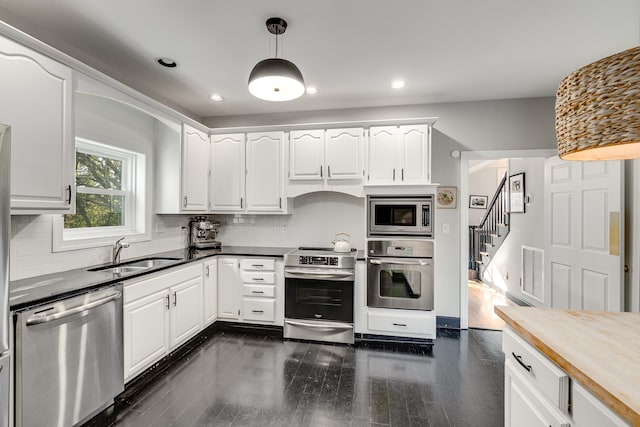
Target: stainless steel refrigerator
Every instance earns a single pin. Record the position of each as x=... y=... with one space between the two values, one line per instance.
x=5 y=230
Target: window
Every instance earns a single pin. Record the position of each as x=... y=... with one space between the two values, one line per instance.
x=110 y=199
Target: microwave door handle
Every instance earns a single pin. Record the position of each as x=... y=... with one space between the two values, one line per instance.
x=380 y=262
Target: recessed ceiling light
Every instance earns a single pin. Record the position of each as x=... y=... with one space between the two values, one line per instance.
x=215 y=97
x=167 y=62
x=398 y=84
x=311 y=90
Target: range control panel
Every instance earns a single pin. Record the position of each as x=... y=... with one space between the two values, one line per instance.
x=318 y=260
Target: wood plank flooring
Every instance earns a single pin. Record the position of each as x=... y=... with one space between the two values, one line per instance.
x=482 y=299
x=246 y=380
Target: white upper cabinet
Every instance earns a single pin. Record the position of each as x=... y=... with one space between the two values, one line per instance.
x=195 y=169
x=399 y=155
x=264 y=184
x=326 y=160
x=247 y=173
x=306 y=154
x=37 y=100
x=227 y=182
x=343 y=153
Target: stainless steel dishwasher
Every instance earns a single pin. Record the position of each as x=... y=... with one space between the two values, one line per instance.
x=69 y=358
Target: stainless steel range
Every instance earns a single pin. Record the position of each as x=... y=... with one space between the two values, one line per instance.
x=319 y=295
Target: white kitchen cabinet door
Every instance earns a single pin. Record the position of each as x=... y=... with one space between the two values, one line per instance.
x=415 y=162
x=186 y=310
x=146 y=332
x=227 y=184
x=343 y=153
x=265 y=182
x=584 y=235
x=383 y=155
x=306 y=154
x=524 y=406
x=228 y=288
x=210 y=291
x=37 y=102
x=195 y=169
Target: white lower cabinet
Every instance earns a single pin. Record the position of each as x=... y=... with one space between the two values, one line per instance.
x=210 y=291
x=536 y=391
x=402 y=323
x=251 y=290
x=160 y=313
x=524 y=406
x=228 y=292
x=588 y=411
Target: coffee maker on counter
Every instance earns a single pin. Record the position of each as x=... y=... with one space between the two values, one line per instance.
x=202 y=233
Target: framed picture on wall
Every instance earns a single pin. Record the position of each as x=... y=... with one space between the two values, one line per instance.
x=516 y=193
x=447 y=197
x=478 y=202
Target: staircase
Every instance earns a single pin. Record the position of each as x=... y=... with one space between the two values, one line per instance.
x=485 y=239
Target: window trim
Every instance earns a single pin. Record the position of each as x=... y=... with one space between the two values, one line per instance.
x=137 y=219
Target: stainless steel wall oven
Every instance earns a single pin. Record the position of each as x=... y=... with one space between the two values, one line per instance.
x=400 y=274
x=319 y=295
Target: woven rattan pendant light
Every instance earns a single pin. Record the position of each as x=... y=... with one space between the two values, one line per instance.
x=598 y=110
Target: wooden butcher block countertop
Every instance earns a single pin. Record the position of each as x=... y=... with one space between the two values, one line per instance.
x=600 y=350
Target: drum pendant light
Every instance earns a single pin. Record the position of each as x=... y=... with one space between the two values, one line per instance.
x=276 y=79
x=598 y=110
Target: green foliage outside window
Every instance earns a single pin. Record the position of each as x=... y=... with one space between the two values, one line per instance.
x=95 y=207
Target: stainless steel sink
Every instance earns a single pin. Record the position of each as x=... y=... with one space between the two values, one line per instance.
x=135 y=266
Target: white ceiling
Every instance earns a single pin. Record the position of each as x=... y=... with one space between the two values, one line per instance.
x=456 y=50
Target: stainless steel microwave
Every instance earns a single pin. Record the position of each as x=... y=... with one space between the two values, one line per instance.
x=400 y=216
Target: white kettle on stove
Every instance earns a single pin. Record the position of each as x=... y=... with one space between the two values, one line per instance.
x=341 y=243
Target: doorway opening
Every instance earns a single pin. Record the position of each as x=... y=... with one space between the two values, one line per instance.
x=492 y=277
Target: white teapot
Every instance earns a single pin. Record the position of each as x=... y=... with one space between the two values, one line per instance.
x=341 y=243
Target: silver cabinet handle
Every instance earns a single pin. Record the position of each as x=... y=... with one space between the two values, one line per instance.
x=328 y=171
x=258 y=279
x=37 y=319
x=175 y=299
x=69 y=190
x=399 y=324
x=257 y=265
x=241 y=203
x=320 y=171
x=257 y=292
x=207 y=271
x=394 y=174
x=402 y=171
x=379 y=262
x=185 y=201
x=168 y=301
x=257 y=311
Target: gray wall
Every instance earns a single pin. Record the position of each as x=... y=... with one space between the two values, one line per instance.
x=516 y=124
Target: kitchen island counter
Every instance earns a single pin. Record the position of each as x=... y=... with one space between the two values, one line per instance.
x=599 y=350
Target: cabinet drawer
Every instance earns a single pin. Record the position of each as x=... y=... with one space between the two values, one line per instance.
x=552 y=381
x=259 y=290
x=259 y=309
x=257 y=264
x=258 y=277
x=589 y=411
x=420 y=323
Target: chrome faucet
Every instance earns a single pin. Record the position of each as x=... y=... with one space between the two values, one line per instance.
x=117 y=248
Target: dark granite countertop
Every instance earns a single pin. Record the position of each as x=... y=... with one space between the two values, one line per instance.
x=40 y=289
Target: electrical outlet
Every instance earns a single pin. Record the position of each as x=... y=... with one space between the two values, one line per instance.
x=284 y=226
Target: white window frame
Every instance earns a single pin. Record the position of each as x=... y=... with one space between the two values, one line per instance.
x=133 y=188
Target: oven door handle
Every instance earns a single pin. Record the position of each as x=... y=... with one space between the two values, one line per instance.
x=319 y=327
x=301 y=273
x=380 y=262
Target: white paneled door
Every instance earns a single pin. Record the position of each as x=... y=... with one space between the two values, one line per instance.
x=583 y=223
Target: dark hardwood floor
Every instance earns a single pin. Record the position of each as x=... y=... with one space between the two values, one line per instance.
x=246 y=380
